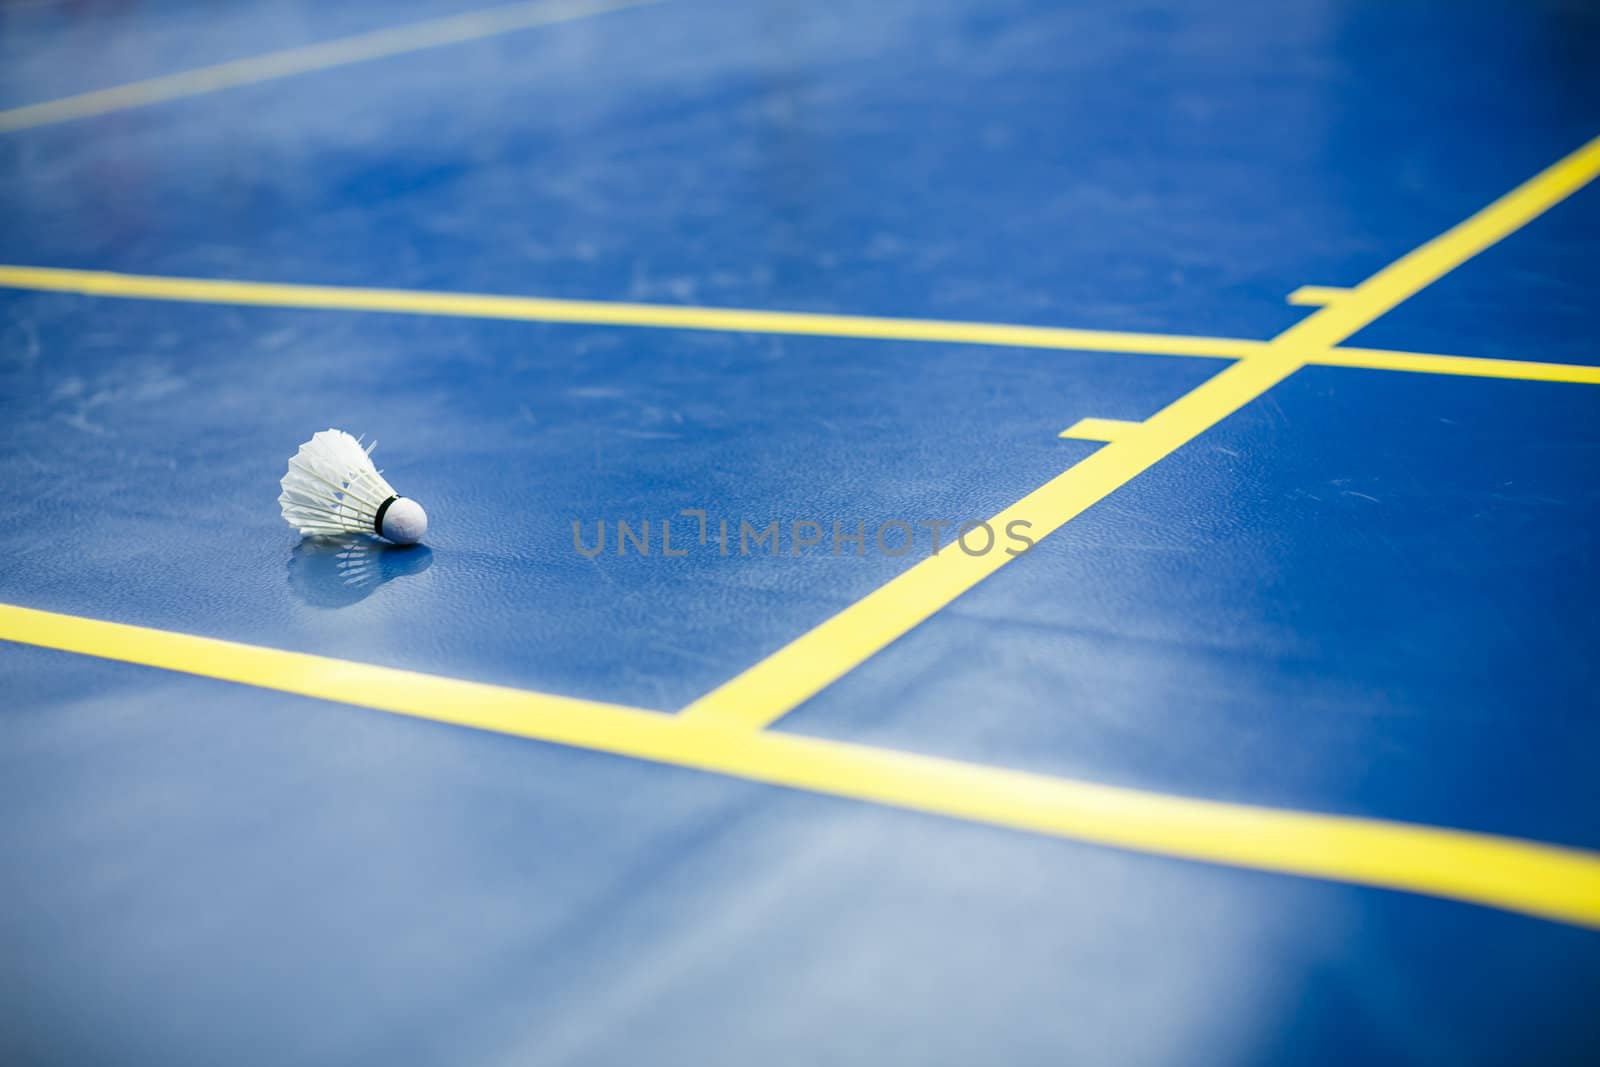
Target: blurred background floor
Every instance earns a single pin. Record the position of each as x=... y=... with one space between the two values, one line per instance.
x=1367 y=593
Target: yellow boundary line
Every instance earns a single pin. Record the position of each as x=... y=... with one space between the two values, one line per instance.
x=736 y=320
x=793 y=674
x=1547 y=881
x=359 y=48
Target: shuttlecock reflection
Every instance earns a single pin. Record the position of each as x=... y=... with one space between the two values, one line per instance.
x=335 y=572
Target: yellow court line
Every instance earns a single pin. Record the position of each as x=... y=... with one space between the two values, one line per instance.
x=608 y=313
x=1450 y=249
x=1548 y=881
x=359 y=48
x=1467 y=366
x=799 y=323
x=799 y=670
x=1316 y=295
x=1099 y=429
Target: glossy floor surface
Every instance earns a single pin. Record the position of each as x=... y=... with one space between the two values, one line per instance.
x=1280 y=746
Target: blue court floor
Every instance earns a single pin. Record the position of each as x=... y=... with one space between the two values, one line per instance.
x=963 y=532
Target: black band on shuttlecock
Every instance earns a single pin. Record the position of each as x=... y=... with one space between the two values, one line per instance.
x=377 y=520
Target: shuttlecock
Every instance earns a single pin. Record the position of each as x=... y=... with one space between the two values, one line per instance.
x=333 y=488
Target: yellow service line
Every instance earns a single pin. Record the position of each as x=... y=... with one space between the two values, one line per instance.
x=608 y=313
x=1547 y=881
x=360 y=48
x=794 y=673
x=738 y=320
x=1467 y=366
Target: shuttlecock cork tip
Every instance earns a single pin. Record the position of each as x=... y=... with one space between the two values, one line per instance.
x=403 y=521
